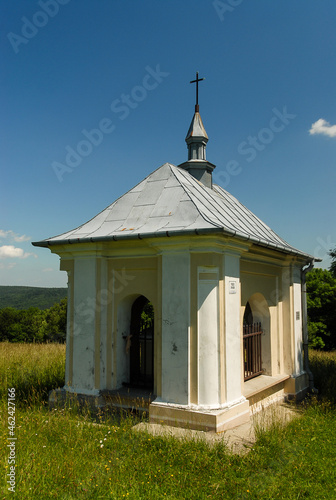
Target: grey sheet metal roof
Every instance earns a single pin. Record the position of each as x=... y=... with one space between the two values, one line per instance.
x=169 y=202
x=196 y=128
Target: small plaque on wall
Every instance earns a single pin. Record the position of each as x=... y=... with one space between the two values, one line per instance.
x=232 y=287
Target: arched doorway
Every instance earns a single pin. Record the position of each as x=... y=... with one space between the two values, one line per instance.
x=256 y=337
x=252 y=332
x=142 y=344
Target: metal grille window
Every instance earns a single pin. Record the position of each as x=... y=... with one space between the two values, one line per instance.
x=252 y=350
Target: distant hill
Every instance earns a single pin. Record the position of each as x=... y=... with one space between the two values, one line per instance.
x=23 y=297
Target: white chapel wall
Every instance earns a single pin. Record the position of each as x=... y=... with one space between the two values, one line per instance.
x=84 y=325
x=175 y=326
x=232 y=327
x=208 y=337
x=297 y=321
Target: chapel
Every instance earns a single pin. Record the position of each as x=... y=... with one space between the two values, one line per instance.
x=184 y=302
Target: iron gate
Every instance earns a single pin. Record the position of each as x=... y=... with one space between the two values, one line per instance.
x=252 y=350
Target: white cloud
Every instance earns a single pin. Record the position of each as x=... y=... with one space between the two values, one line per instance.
x=12 y=252
x=13 y=236
x=321 y=126
x=23 y=237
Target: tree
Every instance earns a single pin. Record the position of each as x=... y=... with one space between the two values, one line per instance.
x=321 y=304
x=53 y=327
x=9 y=316
x=33 y=324
x=332 y=267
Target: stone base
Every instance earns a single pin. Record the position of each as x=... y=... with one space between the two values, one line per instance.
x=60 y=398
x=259 y=393
x=83 y=403
x=137 y=400
x=124 y=399
x=273 y=399
x=297 y=387
x=199 y=419
x=264 y=390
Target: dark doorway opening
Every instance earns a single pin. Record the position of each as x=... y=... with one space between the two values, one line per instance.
x=142 y=344
x=248 y=316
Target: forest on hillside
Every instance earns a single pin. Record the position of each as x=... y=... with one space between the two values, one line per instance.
x=23 y=297
x=34 y=324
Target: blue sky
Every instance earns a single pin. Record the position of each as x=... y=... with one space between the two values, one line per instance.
x=71 y=66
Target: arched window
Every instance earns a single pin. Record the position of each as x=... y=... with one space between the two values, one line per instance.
x=257 y=337
x=248 y=316
x=252 y=345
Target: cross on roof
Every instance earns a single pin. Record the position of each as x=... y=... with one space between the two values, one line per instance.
x=196 y=81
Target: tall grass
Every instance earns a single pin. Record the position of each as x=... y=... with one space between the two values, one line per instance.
x=32 y=369
x=64 y=455
x=323 y=367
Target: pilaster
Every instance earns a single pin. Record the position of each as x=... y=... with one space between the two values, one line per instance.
x=85 y=310
x=208 y=337
x=175 y=326
x=232 y=327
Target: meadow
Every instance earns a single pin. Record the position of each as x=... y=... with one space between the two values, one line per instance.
x=65 y=454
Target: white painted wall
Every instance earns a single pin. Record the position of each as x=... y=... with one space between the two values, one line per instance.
x=208 y=337
x=175 y=326
x=297 y=321
x=68 y=352
x=232 y=329
x=104 y=298
x=84 y=325
x=287 y=335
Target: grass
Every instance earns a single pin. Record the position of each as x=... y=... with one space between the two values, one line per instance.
x=323 y=366
x=61 y=454
x=33 y=369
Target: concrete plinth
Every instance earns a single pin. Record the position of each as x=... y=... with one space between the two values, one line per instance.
x=127 y=399
x=60 y=398
x=296 y=387
x=199 y=419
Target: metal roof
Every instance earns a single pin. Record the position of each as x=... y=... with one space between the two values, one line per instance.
x=196 y=128
x=170 y=201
